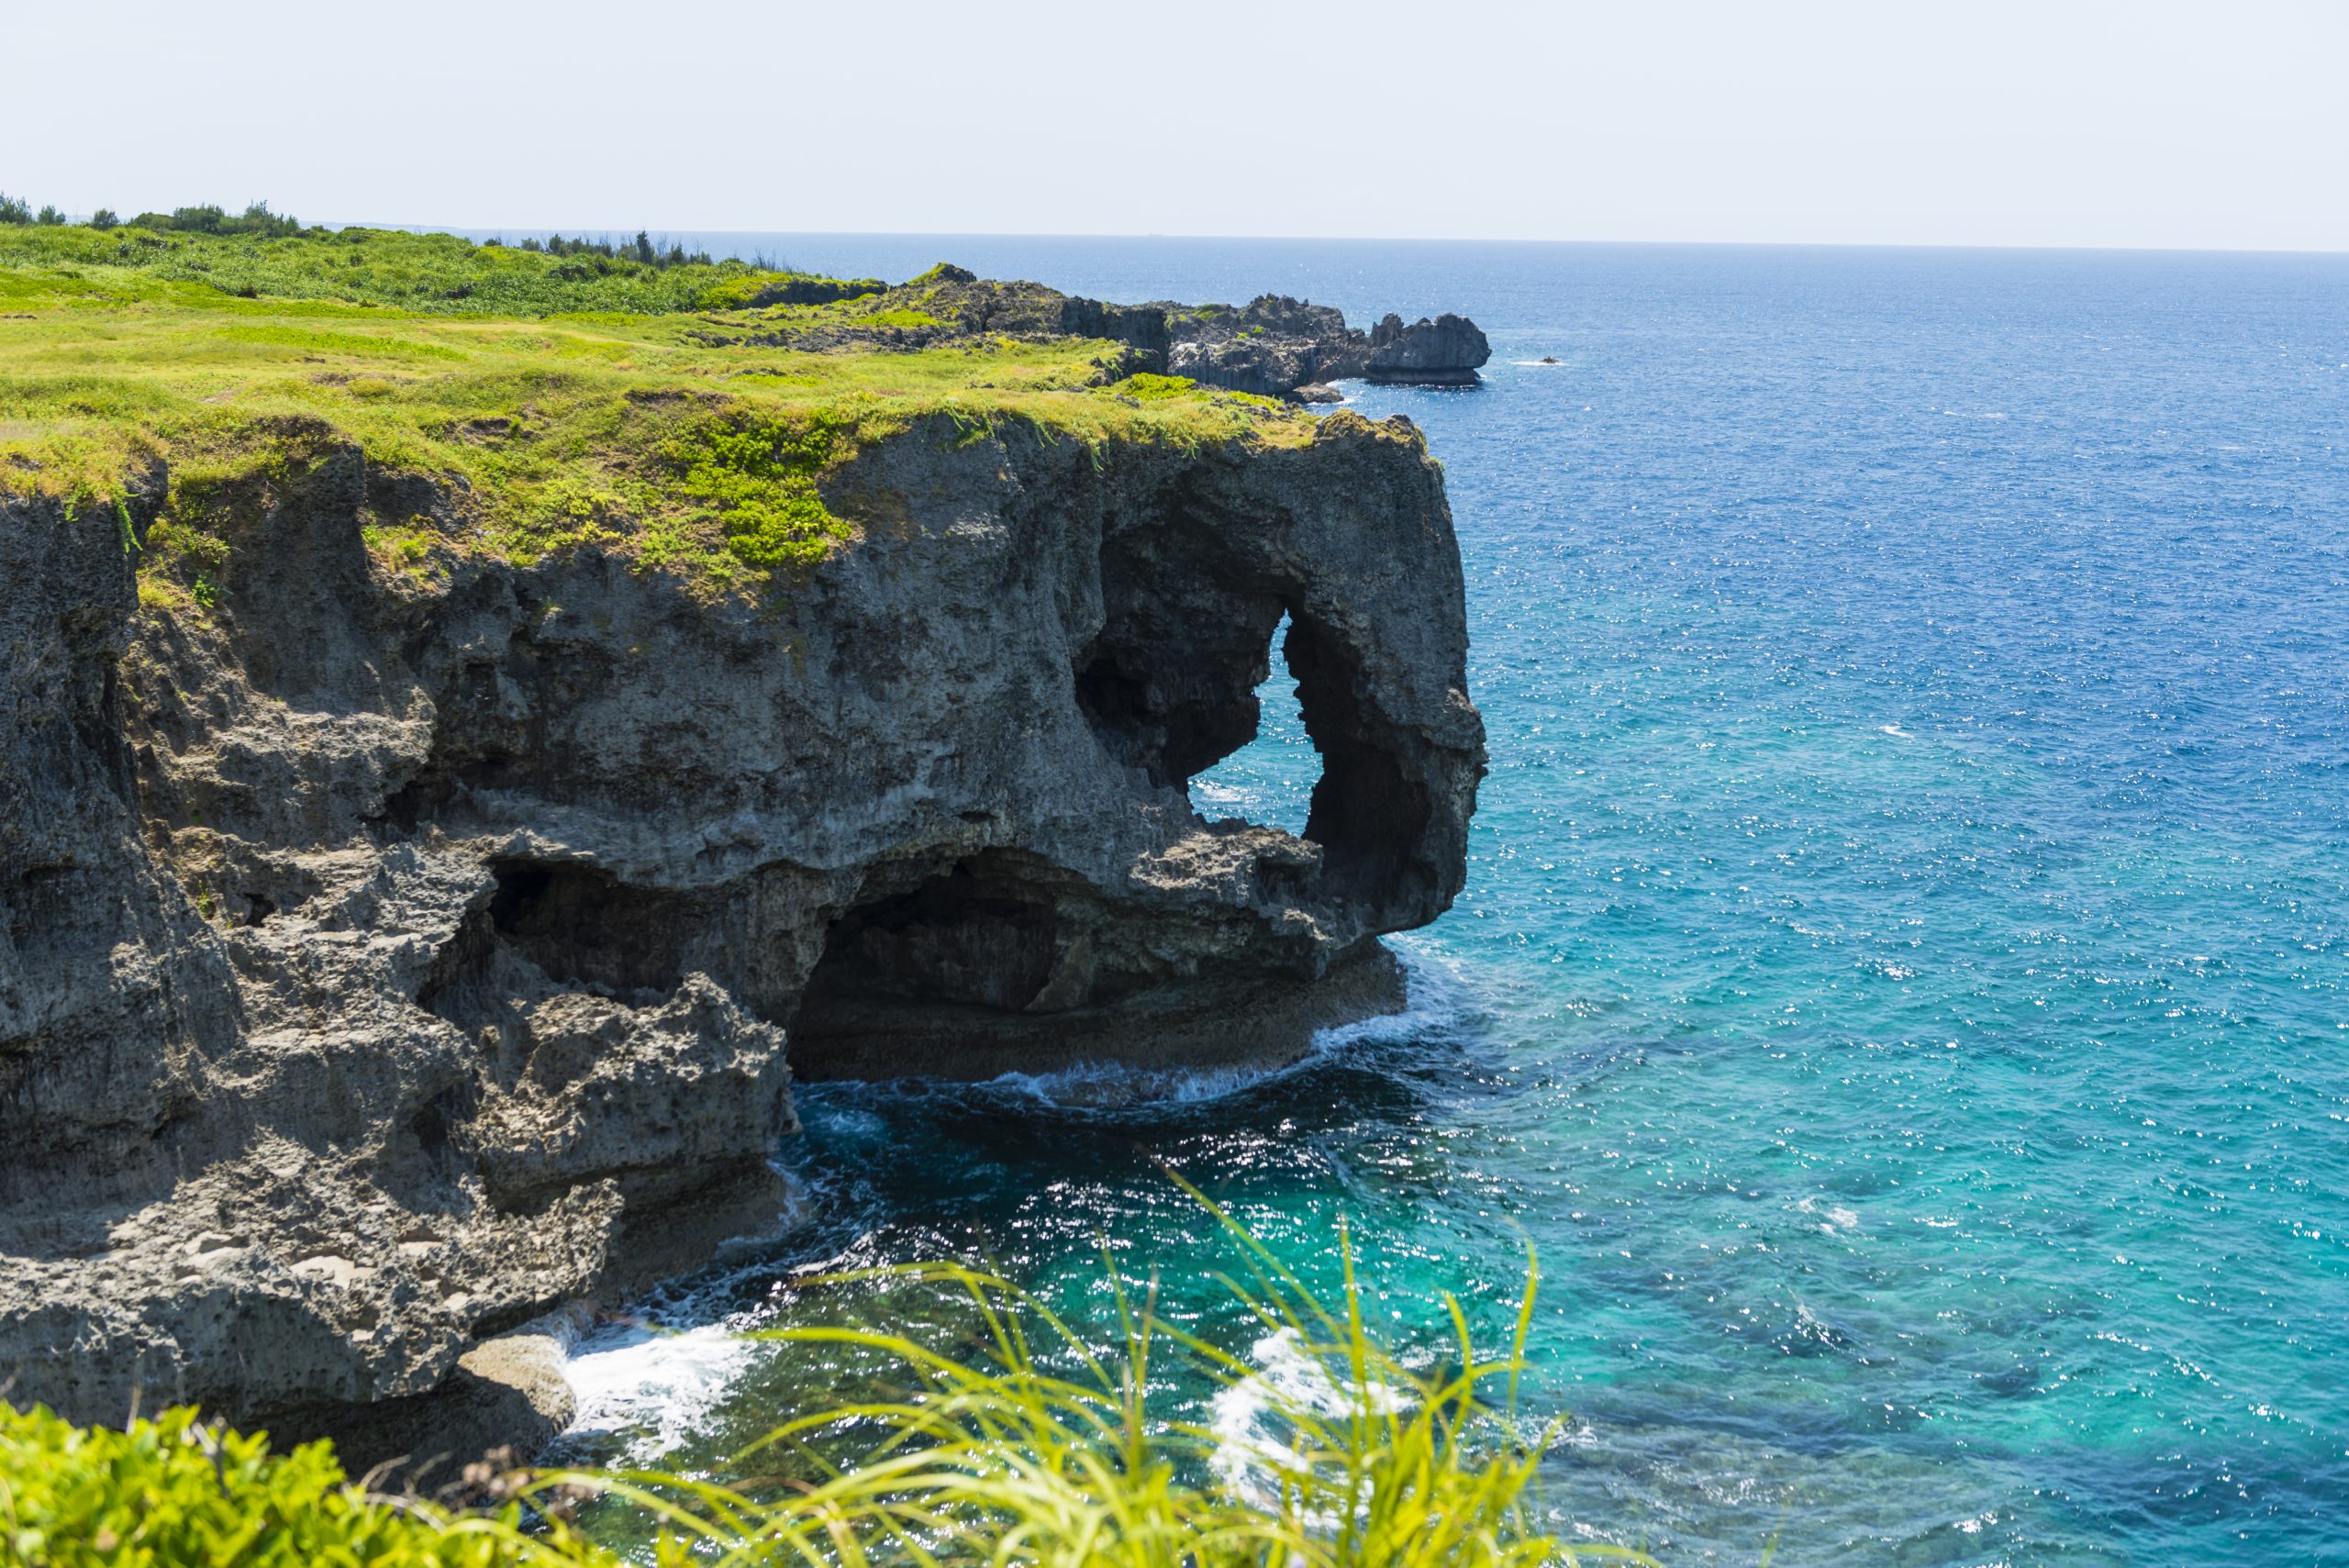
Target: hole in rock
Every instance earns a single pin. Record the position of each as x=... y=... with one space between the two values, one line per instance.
x=1178 y=688
x=1268 y=781
x=432 y=1124
x=1173 y=690
x=1367 y=814
x=584 y=926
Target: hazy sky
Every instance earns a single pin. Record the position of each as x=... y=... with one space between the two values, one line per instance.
x=2152 y=123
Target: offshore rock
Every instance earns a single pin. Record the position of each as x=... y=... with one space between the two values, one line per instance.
x=1446 y=352
x=388 y=958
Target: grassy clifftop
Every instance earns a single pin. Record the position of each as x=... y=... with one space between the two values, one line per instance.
x=677 y=411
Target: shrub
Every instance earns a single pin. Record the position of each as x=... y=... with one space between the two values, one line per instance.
x=641 y=251
x=174 y=1491
x=759 y=475
x=209 y=218
x=104 y=218
x=765 y=285
x=1146 y=384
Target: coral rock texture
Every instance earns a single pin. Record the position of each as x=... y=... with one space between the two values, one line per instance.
x=389 y=957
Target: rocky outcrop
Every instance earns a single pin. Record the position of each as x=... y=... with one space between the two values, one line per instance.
x=390 y=953
x=1272 y=347
x=1278 y=347
x=817 y=290
x=1445 y=352
x=951 y=305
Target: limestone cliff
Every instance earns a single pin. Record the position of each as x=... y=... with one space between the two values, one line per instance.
x=391 y=952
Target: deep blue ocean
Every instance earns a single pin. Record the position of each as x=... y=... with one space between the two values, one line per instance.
x=1902 y=989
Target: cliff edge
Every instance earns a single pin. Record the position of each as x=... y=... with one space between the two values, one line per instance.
x=408 y=941
x=483 y=719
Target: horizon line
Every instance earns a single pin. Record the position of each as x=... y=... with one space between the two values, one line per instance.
x=607 y=231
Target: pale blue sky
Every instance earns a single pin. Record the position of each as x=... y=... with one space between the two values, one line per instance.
x=2059 y=122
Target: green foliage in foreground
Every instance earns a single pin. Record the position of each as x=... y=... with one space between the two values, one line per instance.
x=1035 y=1452
x=176 y=1492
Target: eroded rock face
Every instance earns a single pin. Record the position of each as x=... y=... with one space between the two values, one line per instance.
x=389 y=957
x=1271 y=346
x=1446 y=352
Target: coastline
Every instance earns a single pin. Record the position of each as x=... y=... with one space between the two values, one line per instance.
x=493 y=871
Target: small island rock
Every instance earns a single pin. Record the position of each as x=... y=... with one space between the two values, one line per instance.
x=1445 y=352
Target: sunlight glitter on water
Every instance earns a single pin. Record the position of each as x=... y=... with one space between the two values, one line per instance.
x=1899 y=986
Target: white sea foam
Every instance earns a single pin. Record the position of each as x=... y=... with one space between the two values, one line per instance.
x=1248 y=1456
x=1836 y=1217
x=653 y=1389
x=1114 y=1084
x=1436 y=996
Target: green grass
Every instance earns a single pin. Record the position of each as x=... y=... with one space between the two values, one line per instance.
x=1030 y=1449
x=582 y=400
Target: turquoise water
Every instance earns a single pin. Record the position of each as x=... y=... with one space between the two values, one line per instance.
x=1902 y=989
